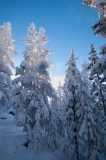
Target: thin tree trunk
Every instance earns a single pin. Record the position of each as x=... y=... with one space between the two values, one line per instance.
x=75 y=130
x=76 y=144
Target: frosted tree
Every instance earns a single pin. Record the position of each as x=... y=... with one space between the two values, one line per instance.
x=99 y=27
x=30 y=54
x=70 y=63
x=98 y=88
x=93 y=56
x=72 y=108
x=89 y=130
x=95 y=65
x=35 y=51
x=100 y=67
x=6 y=52
x=61 y=109
x=53 y=135
x=86 y=73
x=60 y=91
x=30 y=100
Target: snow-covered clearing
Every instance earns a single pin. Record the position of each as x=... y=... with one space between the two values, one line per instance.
x=12 y=139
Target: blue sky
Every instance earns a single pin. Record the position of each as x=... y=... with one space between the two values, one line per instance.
x=67 y=24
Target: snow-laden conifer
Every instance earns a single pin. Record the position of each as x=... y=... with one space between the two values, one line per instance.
x=99 y=27
x=35 y=51
x=86 y=73
x=6 y=52
x=30 y=100
x=100 y=66
x=61 y=110
x=89 y=130
x=96 y=67
x=72 y=108
x=53 y=138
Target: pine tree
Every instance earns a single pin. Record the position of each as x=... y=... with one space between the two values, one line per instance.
x=35 y=51
x=93 y=56
x=72 y=106
x=99 y=67
x=95 y=65
x=85 y=74
x=60 y=91
x=89 y=130
x=61 y=109
x=99 y=27
x=30 y=99
x=30 y=54
x=6 y=52
x=53 y=135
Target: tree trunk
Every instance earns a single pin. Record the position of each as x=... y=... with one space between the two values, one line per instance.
x=75 y=130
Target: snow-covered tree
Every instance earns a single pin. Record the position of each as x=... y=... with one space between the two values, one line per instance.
x=30 y=100
x=53 y=136
x=86 y=73
x=100 y=67
x=70 y=63
x=61 y=109
x=95 y=66
x=35 y=51
x=6 y=52
x=89 y=130
x=93 y=56
x=72 y=108
x=60 y=91
x=99 y=27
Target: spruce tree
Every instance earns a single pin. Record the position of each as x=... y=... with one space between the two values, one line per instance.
x=30 y=100
x=53 y=134
x=72 y=107
x=6 y=63
x=61 y=109
x=85 y=72
x=95 y=67
x=98 y=27
x=90 y=129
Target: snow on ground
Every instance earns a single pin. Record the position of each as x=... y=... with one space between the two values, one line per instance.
x=12 y=139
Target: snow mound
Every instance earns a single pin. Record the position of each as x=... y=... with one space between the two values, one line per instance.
x=12 y=139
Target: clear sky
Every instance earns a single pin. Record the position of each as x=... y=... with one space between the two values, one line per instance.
x=67 y=24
